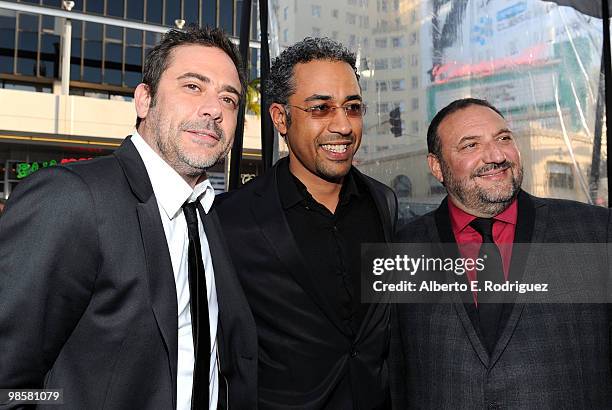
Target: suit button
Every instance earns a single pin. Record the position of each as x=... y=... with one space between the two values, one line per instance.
x=354 y=353
x=493 y=406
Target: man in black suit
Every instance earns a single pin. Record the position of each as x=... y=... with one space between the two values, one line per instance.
x=296 y=233
x=112 y=287
x=467 y=353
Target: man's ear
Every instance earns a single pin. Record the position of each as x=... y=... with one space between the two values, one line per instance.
x=279 y=118
x=435 y=167
x=142 y=99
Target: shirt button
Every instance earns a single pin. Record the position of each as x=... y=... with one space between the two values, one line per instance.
x=354 y=353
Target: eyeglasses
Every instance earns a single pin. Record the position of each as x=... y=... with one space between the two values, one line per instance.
x=324 y=111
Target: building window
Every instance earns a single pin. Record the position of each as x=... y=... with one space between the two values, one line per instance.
x=413 y=38
x=334 y=35
x=435 y=187
x=414 y=60
x=316 y=11
x=415 y=104
x=398 y=85
x=380 y=43
x=415 y=127
x=351 y=18
x=397 y=42
x=381 y=64
x=285 y=13
x=335 y=13
x=316 y=32
x=402 y=185
x=285 y=35
x=364 y=21
x=382 y=108
x=397 y=62
x=381 y=86
x=415 y=82
x=560 y=175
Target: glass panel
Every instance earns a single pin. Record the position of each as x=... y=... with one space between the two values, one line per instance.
x=152 y=38
x=226 y=16
x=112 y=76
x=75 y=59
x=132 y=79
x=75 y=72
x=94 y=6
x=190 y=11
x=238 y=16
x=114 y=8
x=133 y=57
x=77 y=28
x=154 y=11
x=92 y=62
x=52 y=3
x=209 y=12
x=28 y=22
x=114 y=32
x=8 y=22
x=93 y=31
x=49 y=55
x=133 y=37
x=539 y=63
x=135 y=9
x=112 y=64
x=48 y=22
x=173 y=12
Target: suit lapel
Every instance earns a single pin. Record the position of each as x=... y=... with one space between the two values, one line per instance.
x=531 y=227
x=270 y=217
x=379 y=309
x=160 y=277
x=441 y=232
x=382 y=205
x=231 y=302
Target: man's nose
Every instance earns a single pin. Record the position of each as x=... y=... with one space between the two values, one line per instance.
x=210 y=106
x=493 y=153
x=339 y=123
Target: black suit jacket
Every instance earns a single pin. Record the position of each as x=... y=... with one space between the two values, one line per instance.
x=87 y=295
x=551 y=356
x=299 y=333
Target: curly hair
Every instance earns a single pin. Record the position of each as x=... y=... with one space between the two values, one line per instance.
x=158 y=59
x=281 y=85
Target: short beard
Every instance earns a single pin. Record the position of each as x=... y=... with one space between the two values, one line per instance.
x=167 y=141
x=474 y=197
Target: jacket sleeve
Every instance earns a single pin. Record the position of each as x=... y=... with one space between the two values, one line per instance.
x=48 y=264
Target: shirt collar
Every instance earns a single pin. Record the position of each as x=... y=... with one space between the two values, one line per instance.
x=293 y=191
x=171 y=190
x=460 y=219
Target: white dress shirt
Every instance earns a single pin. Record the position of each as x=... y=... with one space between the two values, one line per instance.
x=171 y=192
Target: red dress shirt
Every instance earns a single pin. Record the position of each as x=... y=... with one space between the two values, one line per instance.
x=504 y=226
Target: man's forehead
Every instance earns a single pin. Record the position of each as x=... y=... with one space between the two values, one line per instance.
x=210 y=61
x=474 y=118
x=335 y=79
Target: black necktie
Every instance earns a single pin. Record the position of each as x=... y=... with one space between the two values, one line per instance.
x=488 y=312
x=199 y=311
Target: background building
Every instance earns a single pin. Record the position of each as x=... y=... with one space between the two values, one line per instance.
x=40 y=126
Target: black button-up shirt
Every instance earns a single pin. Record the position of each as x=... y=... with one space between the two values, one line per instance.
x=331 y=242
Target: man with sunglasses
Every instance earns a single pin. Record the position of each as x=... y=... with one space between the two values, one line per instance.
x=295 y=236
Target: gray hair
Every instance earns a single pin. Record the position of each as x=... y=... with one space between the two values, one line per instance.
x=281 y=85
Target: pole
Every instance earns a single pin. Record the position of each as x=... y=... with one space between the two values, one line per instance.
x=236 y=156
x=65 y=63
